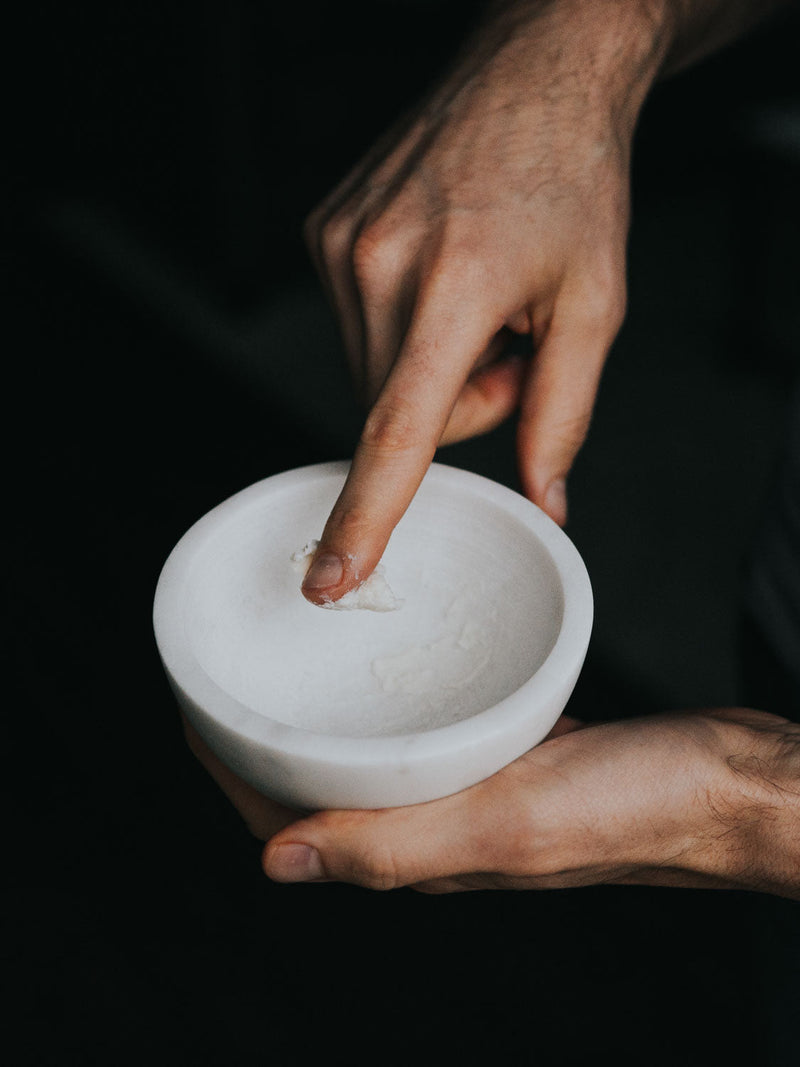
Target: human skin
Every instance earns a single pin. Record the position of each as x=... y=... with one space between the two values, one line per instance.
x=499 y=206
x=709 y=799
x=503 y=205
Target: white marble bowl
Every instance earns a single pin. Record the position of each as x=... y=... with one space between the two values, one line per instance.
x=361 y=709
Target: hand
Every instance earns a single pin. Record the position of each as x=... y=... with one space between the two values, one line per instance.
x=500 y=207
x=263 y=816
x=710 y=799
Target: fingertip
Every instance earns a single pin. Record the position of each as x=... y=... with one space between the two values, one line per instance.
x=555 y=501
x=551 y=497
x=334 y=573
x=292 y=861
x=349 y=551
x=323 y=577
x=544 y=488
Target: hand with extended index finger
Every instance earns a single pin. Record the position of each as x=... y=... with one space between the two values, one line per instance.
x=500 y=206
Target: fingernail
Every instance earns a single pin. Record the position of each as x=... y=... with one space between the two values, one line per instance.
x=326 y=570
x=295 y=863
x=555 y=501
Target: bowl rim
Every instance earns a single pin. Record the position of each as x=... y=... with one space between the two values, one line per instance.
x=563 y=661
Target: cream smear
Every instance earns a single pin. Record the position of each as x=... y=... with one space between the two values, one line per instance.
x=373 y=594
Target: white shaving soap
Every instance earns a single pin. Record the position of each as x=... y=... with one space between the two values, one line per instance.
x=436 y=672
x=429 y=683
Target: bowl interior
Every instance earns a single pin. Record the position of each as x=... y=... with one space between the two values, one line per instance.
x=482 y=608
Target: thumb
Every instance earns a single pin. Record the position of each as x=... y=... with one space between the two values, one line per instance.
x=382 y=849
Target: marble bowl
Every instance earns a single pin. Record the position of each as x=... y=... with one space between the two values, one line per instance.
x=364 y=709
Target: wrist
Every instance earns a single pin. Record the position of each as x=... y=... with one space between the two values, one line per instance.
x=608 y=53
x=752 y=835
x=629 y=44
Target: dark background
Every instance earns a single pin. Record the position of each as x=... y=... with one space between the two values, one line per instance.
x=166 y=345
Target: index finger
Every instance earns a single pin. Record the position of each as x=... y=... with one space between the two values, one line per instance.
x=397 y=445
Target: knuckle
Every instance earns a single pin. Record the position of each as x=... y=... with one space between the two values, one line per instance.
x=312 y=224
x=458 y=269
x=376 y=868
x=375 y=256
x=565 y=438
x=333 y=238
x=352 y=525
x=616 y=308
x=390 y=429
x=571 y=430
x=519 y=856
x=559 y=429
x=602 y=298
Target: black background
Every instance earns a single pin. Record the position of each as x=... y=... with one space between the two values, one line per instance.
x=140 y=929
